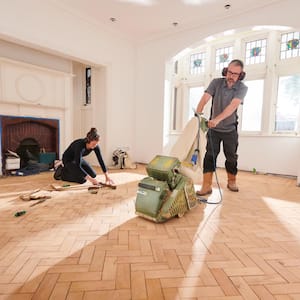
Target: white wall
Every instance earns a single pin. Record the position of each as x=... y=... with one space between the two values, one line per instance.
x=44 y=26
x=24 y=54
x=277 y=155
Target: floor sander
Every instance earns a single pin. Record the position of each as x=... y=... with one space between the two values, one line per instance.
x=166 y=193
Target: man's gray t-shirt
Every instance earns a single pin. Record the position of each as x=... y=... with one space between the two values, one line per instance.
x=221 y=98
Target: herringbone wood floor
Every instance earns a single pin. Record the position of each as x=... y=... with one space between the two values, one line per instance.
x=77 y=245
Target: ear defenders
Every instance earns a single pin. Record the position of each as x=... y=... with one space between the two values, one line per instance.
x=241 y=77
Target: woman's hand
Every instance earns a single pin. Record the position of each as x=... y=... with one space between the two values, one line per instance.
x=108 y=180
x=92 y=180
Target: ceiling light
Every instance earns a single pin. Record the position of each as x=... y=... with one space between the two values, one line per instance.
x=113 y=19
x=140 y=2
x=175 y=24
x=193 y=2
x=227 y=6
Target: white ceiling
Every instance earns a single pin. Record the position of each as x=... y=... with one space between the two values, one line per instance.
x=146 y=19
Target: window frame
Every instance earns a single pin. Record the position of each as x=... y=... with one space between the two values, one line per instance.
x=270 y=70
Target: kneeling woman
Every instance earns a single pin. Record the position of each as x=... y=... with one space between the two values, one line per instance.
x=75 y=168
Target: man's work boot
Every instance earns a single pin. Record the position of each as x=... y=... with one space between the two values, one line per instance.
x=231 y=184
x=206 y=184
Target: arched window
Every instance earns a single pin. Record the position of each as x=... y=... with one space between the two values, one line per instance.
x=272 y=66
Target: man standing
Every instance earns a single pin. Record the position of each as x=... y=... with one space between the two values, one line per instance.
x=227 y=94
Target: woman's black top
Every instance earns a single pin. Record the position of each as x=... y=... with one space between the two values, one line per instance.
x=77 y=150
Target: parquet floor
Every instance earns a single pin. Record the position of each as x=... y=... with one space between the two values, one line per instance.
x=77 y=245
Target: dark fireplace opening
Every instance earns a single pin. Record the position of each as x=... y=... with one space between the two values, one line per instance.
x=28 y=150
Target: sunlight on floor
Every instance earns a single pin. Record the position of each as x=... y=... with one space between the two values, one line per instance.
x=202 y=241
x=122 y=177
x=116 y=207
x=281 y=209
x=42 y=241
x=118 y=178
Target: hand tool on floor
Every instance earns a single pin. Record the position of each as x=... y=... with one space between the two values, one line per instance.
x=65 y=187
x=111 y=186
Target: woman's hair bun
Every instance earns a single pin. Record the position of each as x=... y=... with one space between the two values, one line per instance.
x=92 y=135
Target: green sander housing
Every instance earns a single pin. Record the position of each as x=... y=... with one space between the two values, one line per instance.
x=165 y=193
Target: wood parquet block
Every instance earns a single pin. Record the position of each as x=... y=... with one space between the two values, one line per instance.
x=77 y=245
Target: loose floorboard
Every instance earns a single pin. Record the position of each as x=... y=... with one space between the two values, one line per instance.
x=78 y=245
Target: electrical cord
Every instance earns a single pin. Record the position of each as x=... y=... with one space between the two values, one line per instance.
x=201 y=198
x=196 y=153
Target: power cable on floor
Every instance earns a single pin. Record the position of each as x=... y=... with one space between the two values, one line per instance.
x=201 y=198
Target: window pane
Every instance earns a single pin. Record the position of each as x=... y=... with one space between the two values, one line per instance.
x=252 y=107
x=288 y=103
x=197 y=63
x=290 y=45
x=223 y=57
x=195 y=93
x=256 y=52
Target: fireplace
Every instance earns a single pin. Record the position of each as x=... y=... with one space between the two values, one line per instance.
x=28 y=136
x=28 y=150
